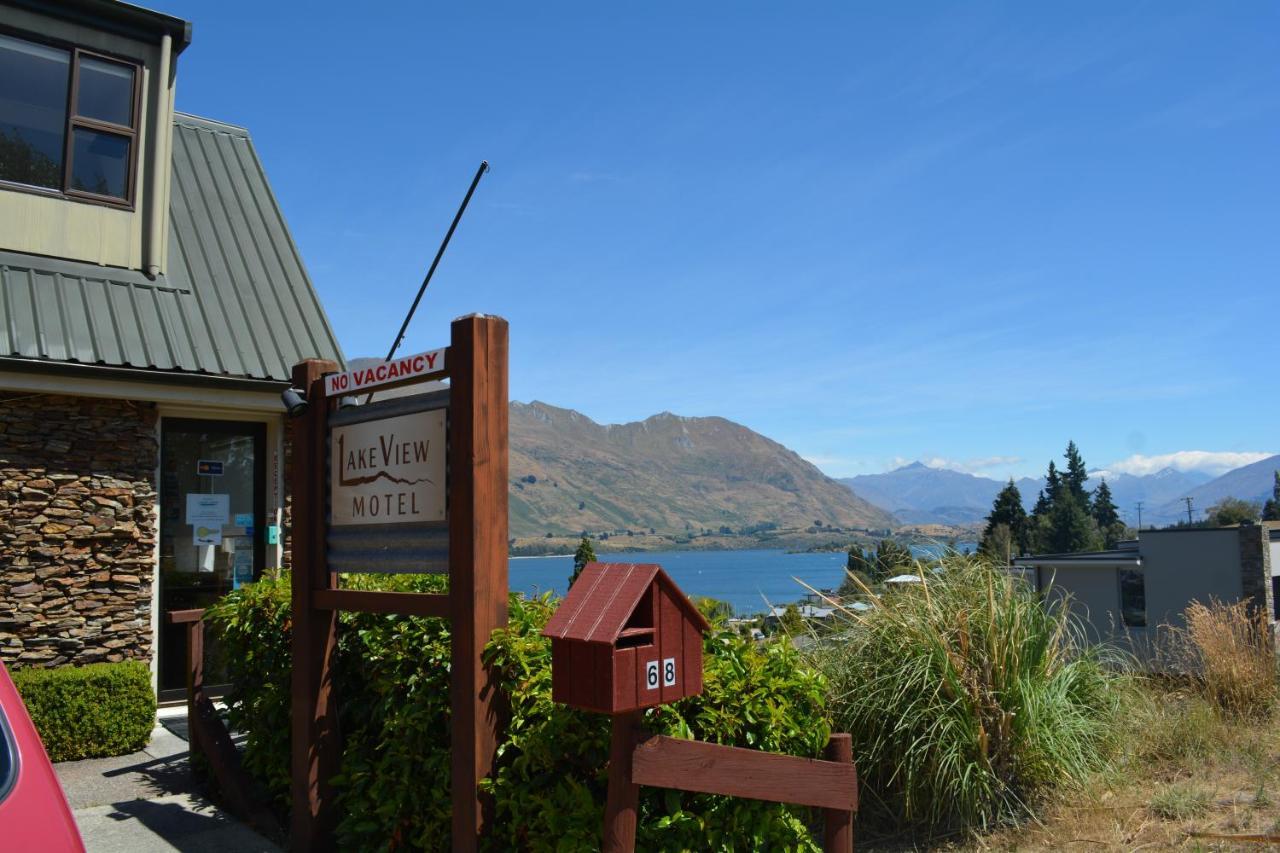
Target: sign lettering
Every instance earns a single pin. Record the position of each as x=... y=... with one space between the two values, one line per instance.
x=389 y=471
x=368 y=378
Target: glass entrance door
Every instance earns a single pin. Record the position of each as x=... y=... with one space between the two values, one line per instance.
x=212 y=509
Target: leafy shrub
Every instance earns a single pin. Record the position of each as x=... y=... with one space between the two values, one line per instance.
x=254 y=631
x=1226 y=648
x=965 y=697
x=549 y=789
x=90 y=711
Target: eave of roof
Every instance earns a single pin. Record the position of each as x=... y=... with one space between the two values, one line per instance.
x=1103 y=559
x=112 y=16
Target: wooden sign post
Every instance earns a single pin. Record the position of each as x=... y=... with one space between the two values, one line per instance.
x=379 y=505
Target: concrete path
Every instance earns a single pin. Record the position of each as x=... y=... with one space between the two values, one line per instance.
x=148 y=801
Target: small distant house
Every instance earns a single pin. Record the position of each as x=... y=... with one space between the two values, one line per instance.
x=1124 y=595
x=807 y=611
x=152 y=303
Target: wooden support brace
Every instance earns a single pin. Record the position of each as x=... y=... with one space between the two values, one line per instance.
x=709 y=768
x=366 y=601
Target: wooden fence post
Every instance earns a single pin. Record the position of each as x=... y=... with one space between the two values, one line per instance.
x=477 y=555
x=623 y=803
x=195 y=683
x=838 y=824
x=315 y=738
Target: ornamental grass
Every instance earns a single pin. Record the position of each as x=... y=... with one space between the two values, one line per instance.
x=966 y=698
x=1227 y=651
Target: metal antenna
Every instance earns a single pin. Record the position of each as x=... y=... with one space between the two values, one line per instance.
x=484 y=167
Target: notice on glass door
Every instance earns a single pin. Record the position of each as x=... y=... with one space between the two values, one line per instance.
x=208 y=510
x=206 y=514
x=206 y=535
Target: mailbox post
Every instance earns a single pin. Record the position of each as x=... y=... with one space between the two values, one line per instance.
x=625 y=639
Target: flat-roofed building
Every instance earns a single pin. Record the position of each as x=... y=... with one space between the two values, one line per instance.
x=1128 y=594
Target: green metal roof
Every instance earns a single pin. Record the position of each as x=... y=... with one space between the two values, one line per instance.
x=234 y=302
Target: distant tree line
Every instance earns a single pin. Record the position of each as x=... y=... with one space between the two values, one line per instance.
x=1067 y=517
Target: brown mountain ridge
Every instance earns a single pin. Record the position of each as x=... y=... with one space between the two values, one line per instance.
x=669 y=473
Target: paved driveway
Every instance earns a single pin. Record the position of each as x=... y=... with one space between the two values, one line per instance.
x=147 y=801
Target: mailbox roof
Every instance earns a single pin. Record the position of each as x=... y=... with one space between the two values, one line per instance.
x=603 y=598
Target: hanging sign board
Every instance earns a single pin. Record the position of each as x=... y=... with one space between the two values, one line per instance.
x=387 y=373
x=389 y=471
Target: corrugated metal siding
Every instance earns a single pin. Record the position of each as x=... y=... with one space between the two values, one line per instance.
x=235 y=300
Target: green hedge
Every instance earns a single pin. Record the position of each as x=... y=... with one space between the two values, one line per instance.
x=549 y=790
x=90 y=711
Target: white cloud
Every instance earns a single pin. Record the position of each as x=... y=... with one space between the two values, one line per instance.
x=1213 y=462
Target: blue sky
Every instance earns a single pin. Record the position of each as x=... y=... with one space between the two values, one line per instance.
x=957 y=232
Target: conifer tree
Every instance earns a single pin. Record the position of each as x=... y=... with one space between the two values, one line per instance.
x=1069 y=528
x=1006 y=533
x=1041 y=507
x=1104 y=508
x=586 y=553
x=1107 y=516
x=1052 y=485
x=1271 y=510
x=1076 y=476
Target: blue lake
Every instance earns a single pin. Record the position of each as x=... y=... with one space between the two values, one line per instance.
x=745 y=579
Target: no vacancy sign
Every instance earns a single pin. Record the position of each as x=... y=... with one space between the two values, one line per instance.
x=389 y=471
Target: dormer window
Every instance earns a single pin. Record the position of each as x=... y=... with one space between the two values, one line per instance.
x=68 y=121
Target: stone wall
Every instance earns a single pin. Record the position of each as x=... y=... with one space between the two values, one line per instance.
x=1255 y=568
x=77 y=529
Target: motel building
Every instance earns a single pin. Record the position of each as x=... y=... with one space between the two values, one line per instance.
x=152 y=304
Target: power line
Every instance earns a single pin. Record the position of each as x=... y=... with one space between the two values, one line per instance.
x=1189 y=520
x=1139 y=516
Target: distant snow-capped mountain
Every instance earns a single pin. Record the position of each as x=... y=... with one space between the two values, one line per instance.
x=919 y=494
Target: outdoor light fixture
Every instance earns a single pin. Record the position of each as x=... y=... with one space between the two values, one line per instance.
x=295 y=402
x=348 y=402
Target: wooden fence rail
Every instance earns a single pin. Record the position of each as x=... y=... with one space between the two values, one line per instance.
x=638 y=758
x=208 y=737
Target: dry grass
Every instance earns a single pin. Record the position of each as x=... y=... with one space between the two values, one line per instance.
x=1227 y=649
x=1191 y=778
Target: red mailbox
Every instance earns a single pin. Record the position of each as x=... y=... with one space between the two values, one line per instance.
x=625 y=638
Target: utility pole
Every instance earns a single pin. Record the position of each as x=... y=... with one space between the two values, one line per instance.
x=1188 y=500
x=1139 y=516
